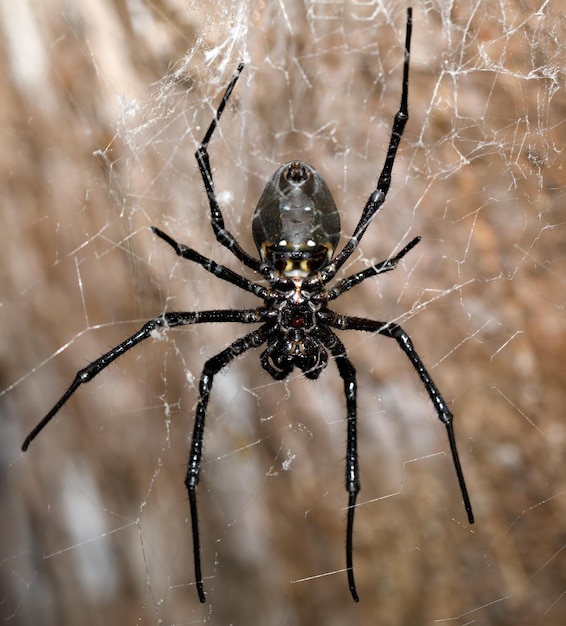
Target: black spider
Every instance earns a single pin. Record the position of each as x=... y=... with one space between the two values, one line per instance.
x=296 y=229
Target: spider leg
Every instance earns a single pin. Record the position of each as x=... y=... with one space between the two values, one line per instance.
x=223 y=235
x=388 y=329
x=377 y=197
x=210 y=266
x=385 y=266
x=167 y=320
x=211 y=368
x=348 y=374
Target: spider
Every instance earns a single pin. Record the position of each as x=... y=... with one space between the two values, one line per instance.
x=296 y=228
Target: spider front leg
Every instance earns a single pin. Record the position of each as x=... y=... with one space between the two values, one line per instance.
x=348 y=374
x=345 y=322
x=211 y=368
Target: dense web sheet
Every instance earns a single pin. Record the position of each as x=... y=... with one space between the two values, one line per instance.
x=103 y=106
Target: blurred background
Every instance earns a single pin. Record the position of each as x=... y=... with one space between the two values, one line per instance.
x=103 y=105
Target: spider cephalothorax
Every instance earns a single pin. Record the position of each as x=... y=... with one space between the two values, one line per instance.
x=296 y=228
x=292 y=338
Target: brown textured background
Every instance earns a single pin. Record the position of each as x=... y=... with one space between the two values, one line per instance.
x=102 y=106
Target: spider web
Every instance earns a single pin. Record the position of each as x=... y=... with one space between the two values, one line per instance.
x=104 y=104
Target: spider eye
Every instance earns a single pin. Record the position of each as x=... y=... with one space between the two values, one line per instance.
x=296 y=226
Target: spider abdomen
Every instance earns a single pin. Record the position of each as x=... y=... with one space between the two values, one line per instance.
x=296 y=226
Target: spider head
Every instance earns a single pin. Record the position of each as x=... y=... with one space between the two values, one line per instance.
x=296 y=226
x=294 y=350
